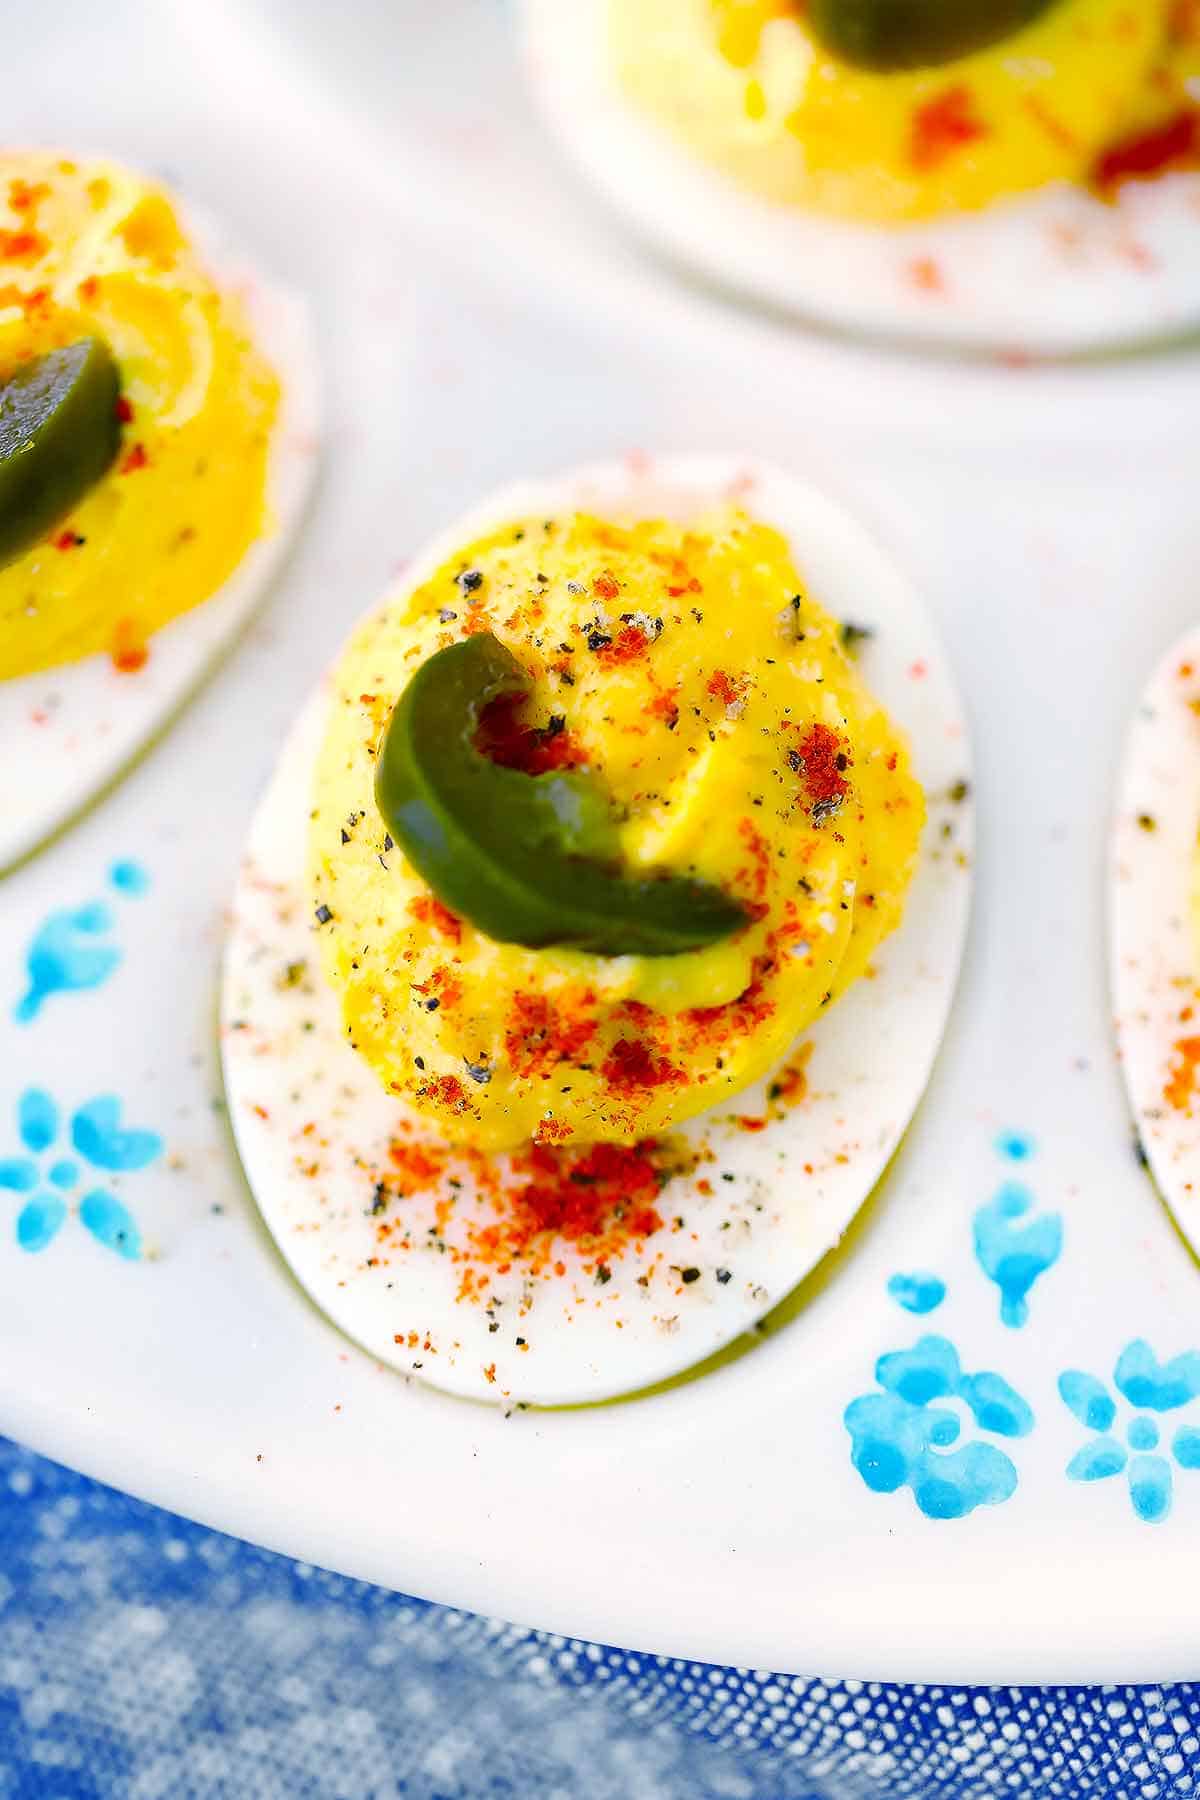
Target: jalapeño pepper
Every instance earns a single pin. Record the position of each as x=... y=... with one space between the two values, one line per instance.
x=528 y=859
x=58 y=435
x=913 y=34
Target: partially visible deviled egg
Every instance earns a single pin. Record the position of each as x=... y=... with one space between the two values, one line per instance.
x=676 y=675
x=1020 y=174
x=156 y=440
x=1155 y=927
x=596 y=936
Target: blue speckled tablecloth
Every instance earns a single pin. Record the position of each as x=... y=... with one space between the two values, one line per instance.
x=142 y=1656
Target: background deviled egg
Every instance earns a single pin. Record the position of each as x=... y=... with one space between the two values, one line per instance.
x=1032 y=193
x=572 y=1270
x=176 y=460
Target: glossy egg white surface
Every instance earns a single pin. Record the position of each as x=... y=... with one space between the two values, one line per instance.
x=1155 y=932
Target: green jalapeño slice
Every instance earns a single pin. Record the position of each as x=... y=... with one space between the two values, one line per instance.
x=59 y=433
x=529 y=859
x=914 y=34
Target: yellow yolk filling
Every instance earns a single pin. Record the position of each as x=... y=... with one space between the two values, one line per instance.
x=91 y=250
x=746 y=86
x=690 y=672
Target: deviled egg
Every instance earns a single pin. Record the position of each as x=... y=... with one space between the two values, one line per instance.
x=1155 y=928
x=156 y=440
x=1013 y=173
x=597 y=932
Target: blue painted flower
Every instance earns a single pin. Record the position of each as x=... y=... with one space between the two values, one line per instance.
x=899 y=1438
x=919 y=1292
x=99 y=1138
x=1150 y=1387
x=1015 y=1246
x=74 y=949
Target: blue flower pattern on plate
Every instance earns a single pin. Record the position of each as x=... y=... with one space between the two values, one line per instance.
x=919 y=1292
x=1017 y=1146
x=73 y=949
x=99 y=1138
x=129 y=878
x=70 y=951
x=1150 y=1387
x=900 y=1438
x=1014 y=1248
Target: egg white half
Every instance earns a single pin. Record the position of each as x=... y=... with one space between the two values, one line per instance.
x=1044 y=274
x=1155 y=956
x=67 y=732
x=313 y=1124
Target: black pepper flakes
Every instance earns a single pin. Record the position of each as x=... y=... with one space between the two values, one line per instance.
x=478 y=1072
x=791 y=620
x=432 y=1005
x=469 y=580
x=689 y=1275
x=323 y=914
x=446 y=615
x=598 y=640
x=650 y=626
x=724 y=1276
x=852 y=636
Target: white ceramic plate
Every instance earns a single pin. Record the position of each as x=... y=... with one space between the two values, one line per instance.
x=1047 y=274
x=65 y=733
x=1050 y=518
x=783 y=1196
